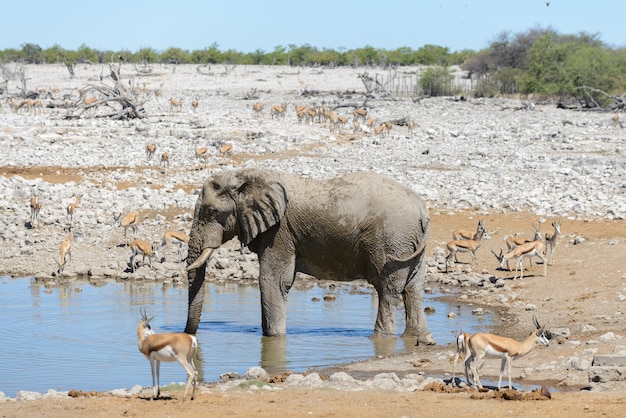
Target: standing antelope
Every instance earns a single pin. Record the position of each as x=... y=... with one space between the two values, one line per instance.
x=258 y=108
x=410 y=126
x=194 y=104
x=483 y=345
x=226 y=149
x=175 y=237
x=130 y=220
x=467 y=234
x=359 y=113
x=551 y=241
x=65 y=253
x=150 y=150
x=173 y=346
x=529 y=249
x=466 y=245
x=137 y=247
x=71 y=209
x=165 y=160
x=512 y=241
x=35 y=208
x=278 y=111
x=176 y=105
x=202 y=153
x=462 y=347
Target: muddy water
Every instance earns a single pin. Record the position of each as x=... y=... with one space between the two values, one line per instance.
x=83 y=336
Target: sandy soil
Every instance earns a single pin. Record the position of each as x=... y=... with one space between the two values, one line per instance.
x=584 y=287
x=301 y=402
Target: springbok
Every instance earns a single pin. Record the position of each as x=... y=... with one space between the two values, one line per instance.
x=466 y=245
x=65 y=253
x=482 y=345
x=130 y=220
x=551 y=241
x=512 y=241
x=175 y=237
x=461 y=347
x=169 y=347
x=35 y=208
x=176 y=105
x=150 y=150
x=71 y=209
x=529 y=249
x=165 y=160
x=138 y=247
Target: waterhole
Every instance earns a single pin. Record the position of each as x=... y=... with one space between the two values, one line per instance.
x=83 y=336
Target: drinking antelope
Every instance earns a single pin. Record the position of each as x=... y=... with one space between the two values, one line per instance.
x=175 y=237
x=137 y=247
x=551 y=241
x=35 y=208
x=466 y=245
x=168 y=347
x=483 y=345
x=130 y=220
x=529 y=249
x=71 y=209
x=65 y=253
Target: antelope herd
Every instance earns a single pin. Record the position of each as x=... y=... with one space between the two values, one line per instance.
x=336 y=122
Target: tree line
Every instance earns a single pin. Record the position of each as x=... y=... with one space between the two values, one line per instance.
x=536 y=61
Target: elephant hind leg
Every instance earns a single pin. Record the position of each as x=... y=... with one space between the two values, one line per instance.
x=416 y=325
x=386 y=317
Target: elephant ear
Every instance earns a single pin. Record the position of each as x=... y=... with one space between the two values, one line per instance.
x=261 y=203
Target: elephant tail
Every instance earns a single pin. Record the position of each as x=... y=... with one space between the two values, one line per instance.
x=420 y=247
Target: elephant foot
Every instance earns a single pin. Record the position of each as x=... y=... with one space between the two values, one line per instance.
x=425 y=339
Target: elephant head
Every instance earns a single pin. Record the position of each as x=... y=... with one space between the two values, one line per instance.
x=242 y=203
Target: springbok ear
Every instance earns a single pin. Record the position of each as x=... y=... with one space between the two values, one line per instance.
x=261 y=204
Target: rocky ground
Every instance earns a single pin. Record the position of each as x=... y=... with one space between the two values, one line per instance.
x=512 y=163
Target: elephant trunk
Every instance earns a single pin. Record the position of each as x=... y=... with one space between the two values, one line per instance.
x=196 y=273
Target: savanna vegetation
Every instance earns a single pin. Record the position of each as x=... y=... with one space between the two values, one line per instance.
x=539 y=61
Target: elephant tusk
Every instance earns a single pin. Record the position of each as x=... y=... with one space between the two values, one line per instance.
x=202 y=260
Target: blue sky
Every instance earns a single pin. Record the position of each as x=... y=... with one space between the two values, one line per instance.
x=246 y=26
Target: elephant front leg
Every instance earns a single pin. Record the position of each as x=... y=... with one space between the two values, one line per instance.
x=275 y=280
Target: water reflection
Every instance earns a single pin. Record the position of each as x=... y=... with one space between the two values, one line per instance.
x=83 y=336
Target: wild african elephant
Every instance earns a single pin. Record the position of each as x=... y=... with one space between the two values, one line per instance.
x=360 y=226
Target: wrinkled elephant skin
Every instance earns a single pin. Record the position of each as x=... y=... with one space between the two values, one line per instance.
x=360 y=226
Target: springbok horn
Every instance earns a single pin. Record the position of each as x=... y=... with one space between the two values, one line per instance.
x=202 y=260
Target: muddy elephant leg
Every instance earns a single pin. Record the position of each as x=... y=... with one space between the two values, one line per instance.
x=416 y=325
x=386 y=317
x=276 y=276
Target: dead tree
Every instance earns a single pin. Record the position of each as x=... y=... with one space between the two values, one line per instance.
x=374 y=87
x=618 y=101
x=120 y=102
